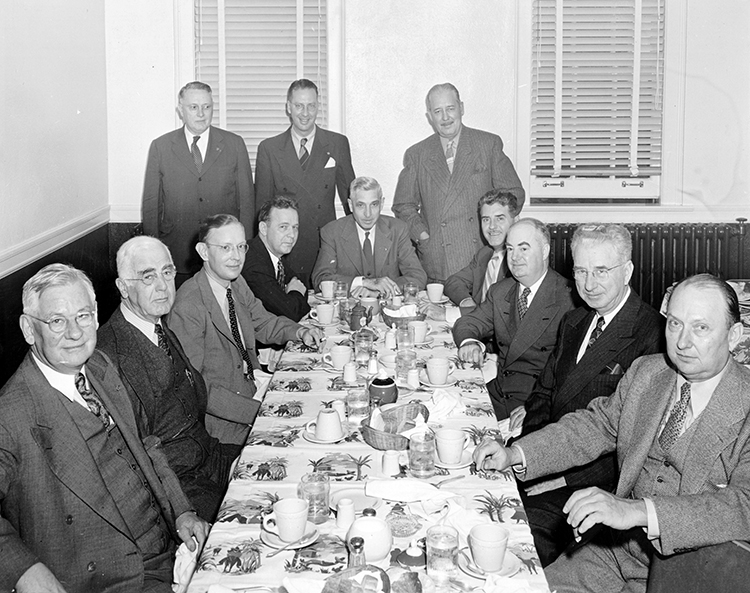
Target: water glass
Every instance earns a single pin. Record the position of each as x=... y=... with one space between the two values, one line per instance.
x=442 y=553
x=364 y=343
x=406 y=360
x=410 y=292
x=422 y=455
x=315 y=489
x=341 y=292
x=357 y=405
x=405 y=338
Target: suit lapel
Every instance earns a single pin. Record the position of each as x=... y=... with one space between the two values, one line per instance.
x=437 y=168
x=507 y=306
x=350 y=245
x=383 y=244
x=539 y=315
x=321 y=152
x=462 y=166
x=181 y=150
x=214 y=310
x=215 y=147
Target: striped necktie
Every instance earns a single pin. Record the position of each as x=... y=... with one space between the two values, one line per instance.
x=304 y=155
x=450 y=154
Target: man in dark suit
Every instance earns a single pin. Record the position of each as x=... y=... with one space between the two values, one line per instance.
x=596 y=345
x=371 y=252
x=84 y=508
x=267 y=269
x=218 y=319
x=167 y=393
x=522 y=313
x=306 y=163
x=193 y=172
x=443 y=177
x=680 y=428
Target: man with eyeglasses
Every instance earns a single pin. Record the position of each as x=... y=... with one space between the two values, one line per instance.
x=218 y=319
x=597 y=343
x=84 y=504
x=167 y=393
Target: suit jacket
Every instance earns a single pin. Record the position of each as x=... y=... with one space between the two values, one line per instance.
x=565 y=385
x=429 y=198
x=55 y=506
x=278 y=171
x=176 y=197
x=260 y=275
x=523 y=348
x=468 y=281
x=340 y=256
x=713 y=503
x=199 y=324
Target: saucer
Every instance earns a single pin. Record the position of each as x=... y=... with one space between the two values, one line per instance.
x=274 y=541
x=320 y=325
x=320 y=297
x=465 y=461
x=358 y=497
x=511 y=565
x=310 y=436
x=423 y=297
x=388 y=361
x=427 y=341
x=424 y=380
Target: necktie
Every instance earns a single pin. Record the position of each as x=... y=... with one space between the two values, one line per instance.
x=598 y=331
x=676 y=421
x=367 y=258
x=92 y=401
x=197 y=157
x=303 y=154
x=162 y=338
x=236 y=335
x=490 y=276
x=450 y=154
x=280 y=274
x=523 y=302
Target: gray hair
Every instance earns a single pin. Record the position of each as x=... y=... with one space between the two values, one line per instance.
x=196 y=85
x=538 y=225
x=365 y=184
x=615 y=234
x=126 y=251
x=445 y=86
x=49 y=277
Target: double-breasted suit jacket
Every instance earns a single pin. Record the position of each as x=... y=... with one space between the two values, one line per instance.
x=278 y=171
x=197 y=320
x=56 y=507
x=176 y=197
x=430 y=198
x=468 y=281
x=340 y=256
x=524 y=346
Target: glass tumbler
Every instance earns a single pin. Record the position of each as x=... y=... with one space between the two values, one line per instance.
x=315 y=488
x=442 y=552
x=405 y=338
x=410 y=292
x=406 y=360
x=422 y=455
x=357 y=405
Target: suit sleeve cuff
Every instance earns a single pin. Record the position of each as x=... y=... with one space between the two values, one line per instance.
x=452 y=314
x=520 y=468
x=470 y=340
x=356 y=283
x=652 y=529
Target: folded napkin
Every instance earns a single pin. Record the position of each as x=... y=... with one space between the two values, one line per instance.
x=409 y=310
x=184 y=566
x=302 y=585
x=444 y=403
x=406 y=490
x=498 y=584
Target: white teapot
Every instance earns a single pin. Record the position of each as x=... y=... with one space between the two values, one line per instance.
x=377 y=536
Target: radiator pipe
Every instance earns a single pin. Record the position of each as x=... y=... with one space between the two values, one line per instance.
x=741 y=239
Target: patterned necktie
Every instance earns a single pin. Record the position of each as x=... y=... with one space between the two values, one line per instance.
x=303 y=154
x=367 y=257
x=236 y=335
x=598 y=331
x=490 y=276
x=523 y=302
x=450 y=155
x=676 y=421
x=197 y=157
x=92 y=401
x=280 y=274
x=162 y=338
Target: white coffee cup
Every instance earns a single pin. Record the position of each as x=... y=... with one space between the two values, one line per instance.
x=350 y=373
x=488 y=543
x=327 y=426
x=390 y=464
x=451 y=443
x=421 y=329
x=288 y=519
x=435 y=292
x=327 y=288
x=323 y=313
x=438 y=369
x=338 y=356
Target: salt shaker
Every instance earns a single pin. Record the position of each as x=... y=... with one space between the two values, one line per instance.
x=345 y=513
x=412 y=378
x=372 y=364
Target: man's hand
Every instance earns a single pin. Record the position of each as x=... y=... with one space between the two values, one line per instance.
x=362 y=292
x=311 y=336
x=587 y=507
x=471 y=352
x=516 y=418
x=432 y=311
x=467 y=303
x=190 y=525
x=38 y=579
x=492 y=455
x=296 y=284
x=384 y=286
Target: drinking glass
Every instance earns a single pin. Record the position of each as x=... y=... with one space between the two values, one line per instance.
x=357 y=405
x=422 y=455
x=363 y=344
x=442 y=552
x=315 y=489
x=410 y=292
x=405 y=338
x=406 y=360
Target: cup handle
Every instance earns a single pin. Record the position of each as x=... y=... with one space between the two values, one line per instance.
x=269 y=523
x=313 y=424
x=327 y=358
x=451 y=367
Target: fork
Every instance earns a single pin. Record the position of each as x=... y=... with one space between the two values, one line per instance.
x=442 y=482
x=294 y=543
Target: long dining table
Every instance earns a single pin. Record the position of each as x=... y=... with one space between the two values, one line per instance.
x=279 y=451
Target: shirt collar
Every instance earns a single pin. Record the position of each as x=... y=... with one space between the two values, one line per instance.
x=534 y=287
x=310 y=137
x=274 y=259
x=611 y=315
x=455 y=139
x=145 y=327
x=189 y=136
x=64 y=383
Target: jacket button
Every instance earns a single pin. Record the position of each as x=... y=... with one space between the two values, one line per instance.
x=119 y=451
x=666 y=463
x=660 y=480
x=91 y=566
x=442 y=224
x=69 y=520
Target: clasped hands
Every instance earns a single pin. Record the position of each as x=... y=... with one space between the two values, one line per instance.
x=372 y=287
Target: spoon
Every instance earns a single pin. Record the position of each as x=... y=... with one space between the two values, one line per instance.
x=290 y=544
x=473 y=566
x=453 y=479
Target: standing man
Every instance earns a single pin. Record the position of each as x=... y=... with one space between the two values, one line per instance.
x=308 y=164
x=218 y=319
x=193 y=172
x=167 y=393
x=267 y=269
x=522 y=313
x=443 y=177
x=596 y=346
x=681 y=433
x=371 y=252
x=82 y=507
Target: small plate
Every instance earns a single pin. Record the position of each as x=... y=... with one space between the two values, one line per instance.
x=511 y=565
x=359 y=498
x=465 y=460
x=426 y=382
x=310 y=436
x=320 y=297
x=318 y=324
x=423 y=297
x=274 y=541
x=427 y=341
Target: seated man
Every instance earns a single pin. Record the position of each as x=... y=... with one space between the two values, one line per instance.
x=680 y=430
x=267 y=270
x=372 y=253
x=218 y=319
x=597 y=343
x=82 y=506
x=522 y=313
x=167 y=393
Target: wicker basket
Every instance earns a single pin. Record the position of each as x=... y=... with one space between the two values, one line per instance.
x=397 y=419
x=400 y=321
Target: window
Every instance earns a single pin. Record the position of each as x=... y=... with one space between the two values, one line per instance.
x=597 y=85
x=250 y=51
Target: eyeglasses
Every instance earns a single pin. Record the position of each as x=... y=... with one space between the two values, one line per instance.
x=59 y=324
x=227 y=248
x=599 y=274
x=150 y=277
